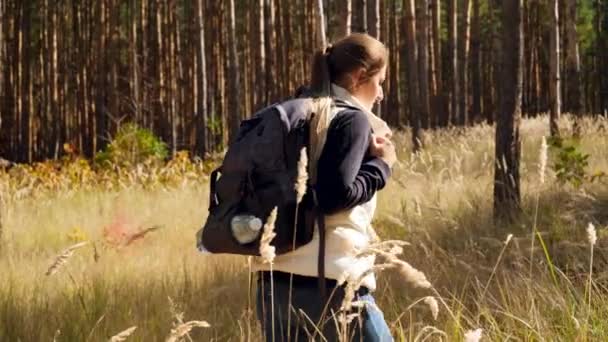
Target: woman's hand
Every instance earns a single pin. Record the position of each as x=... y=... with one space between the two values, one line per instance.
x=384 y=149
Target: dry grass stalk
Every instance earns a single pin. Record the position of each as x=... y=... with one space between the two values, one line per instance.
x=591 y=234
x=542 y=160
x=175 y=312
x=267 y=251
x=183 y=329
x=56 y=335
x=473 y=335
x=302 y=178
x=433 y=305
x=389 y=250
x=121 y=336
x=592 y=238
x=63 y=258
x=412 y=275
x=502 y=252
x=140 y=234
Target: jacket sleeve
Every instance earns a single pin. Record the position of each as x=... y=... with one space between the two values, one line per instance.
x=347 y=176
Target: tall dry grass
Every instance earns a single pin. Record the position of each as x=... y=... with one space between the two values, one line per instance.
x=438 y=200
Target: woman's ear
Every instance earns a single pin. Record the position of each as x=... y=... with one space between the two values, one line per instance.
x=356 y=77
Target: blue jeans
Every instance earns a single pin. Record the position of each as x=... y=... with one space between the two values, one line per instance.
x=308 y=317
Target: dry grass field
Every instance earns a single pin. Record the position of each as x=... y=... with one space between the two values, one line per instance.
x=139 y=266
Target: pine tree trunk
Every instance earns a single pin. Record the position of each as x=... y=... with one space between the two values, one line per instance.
x=25 y=146
x=393 y=116
x=453 y=66
x=373 y=15
x=601 y=30
x=201 y=134
x=554 y=79
x=260 y=57
x=135 y=74
x=463 y=63
x=3 y=64
x=269 y=29
x=476 y=62
x=344 y=14
x=409 y=21
x=508 y=146
x=235 y=97
x=573 y=101
x=422 y=33
x=320 y=14
x=438 y=94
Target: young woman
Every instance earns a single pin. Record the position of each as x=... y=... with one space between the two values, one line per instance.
x=352 y=164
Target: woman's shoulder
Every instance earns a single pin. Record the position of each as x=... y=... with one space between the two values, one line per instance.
x=350 y=116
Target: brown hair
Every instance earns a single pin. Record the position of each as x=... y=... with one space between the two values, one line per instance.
x=357 y=50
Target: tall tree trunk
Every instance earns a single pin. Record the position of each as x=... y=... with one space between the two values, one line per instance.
x=373 y=15
x=601 y=32
x=3 y=64
x=438 y=98
x=453 y=66
x=409 y=21
x=235 y=97
x=320 y=14
x=463 y=63
x=364 y=13
x=554 y=79
x=476 y=62
x=345 y=15
x=201 y=134
x=135 y=73
x=359 y=16
x=393 y=116
x=25 y=108
x=4 y=109
x=260 y=99
x=573 y=100
x=269 y=42
x=508 y=146
x=422 y=33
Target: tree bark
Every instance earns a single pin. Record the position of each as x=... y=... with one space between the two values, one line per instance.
x=201 y=134
x=463 y=63
x=476 y=62
x=235 y=97
x=508 y=146
x=554 y=79
x=345 y=14
x=321 y=35
x=601 y=29
x=438 y=98
x=373 y=11
x=422 y=33
x=261 y=57
x=573 y=100
x=409 y=21
x=453 y=66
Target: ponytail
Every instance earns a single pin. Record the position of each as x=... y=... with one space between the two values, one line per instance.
x=322 y=105
x=321 y=74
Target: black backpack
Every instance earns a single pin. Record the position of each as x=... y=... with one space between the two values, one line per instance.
x=257 y=174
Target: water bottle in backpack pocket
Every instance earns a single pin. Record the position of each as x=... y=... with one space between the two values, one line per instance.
x=245 y=228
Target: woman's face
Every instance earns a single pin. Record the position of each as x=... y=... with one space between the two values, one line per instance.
x=370 y=91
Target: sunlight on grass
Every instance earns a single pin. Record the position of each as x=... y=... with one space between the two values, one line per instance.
x=141 y=224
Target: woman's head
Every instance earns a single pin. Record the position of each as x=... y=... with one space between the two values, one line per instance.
x=357 y=63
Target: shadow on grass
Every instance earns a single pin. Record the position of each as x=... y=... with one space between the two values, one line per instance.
x=95 y=308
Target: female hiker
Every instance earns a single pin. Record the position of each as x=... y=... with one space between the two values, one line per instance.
x=352 y=165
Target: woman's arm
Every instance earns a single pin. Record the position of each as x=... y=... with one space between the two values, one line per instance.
x=347 y=175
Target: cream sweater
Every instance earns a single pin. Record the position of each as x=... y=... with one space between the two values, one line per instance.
x=347 y=232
